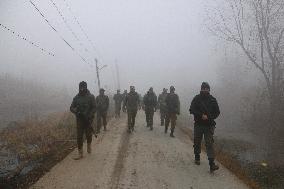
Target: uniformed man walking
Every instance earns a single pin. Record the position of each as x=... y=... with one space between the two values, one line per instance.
x=84 y=107
x=124 y=96
x=118 y=98
x=162 y=105
x=205 y=109
x=131 y=104
x=102 y=102
x=150 y=106
x=173 y=109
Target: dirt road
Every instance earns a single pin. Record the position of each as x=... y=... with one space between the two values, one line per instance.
x=143 y=159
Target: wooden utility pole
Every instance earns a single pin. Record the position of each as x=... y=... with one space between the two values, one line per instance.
x=117 y=75
x=98 y=74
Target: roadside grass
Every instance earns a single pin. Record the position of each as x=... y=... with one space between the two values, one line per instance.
x=254 y=174
x=32 y=138
x=228 y=161
x=36 y=140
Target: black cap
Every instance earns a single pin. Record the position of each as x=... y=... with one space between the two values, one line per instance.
x=205 y=85
x=102 y=90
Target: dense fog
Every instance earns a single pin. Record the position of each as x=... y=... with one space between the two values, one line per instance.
x=153 y=44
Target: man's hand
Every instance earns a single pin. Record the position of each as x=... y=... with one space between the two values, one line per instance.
x=204 y=117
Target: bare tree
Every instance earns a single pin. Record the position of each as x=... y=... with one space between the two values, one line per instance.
x=257 y=27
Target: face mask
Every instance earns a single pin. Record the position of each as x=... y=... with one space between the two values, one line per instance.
x=82 y=90
x=204 y=93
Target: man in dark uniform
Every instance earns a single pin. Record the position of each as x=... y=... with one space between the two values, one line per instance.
x=173 y=109
x=162 y=105
x=102 y=102
x=118 y=98
x=150 y=103
x=124 y=96
x=131 y=104
x=84 y=107
x=205 y=109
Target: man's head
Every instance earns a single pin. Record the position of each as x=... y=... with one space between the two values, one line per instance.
x=83 y=87
x=205 y=87
x=118 y=91
x=102 y=91
x=165 y=90
x=172 y=89
x=125 y=91
x=132 y=89
x=151 y=90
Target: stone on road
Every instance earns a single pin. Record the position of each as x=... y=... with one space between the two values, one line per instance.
x=143 y=159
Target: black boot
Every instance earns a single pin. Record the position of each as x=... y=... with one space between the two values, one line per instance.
x=172 y=133
x=213 y=166
x=197 y=159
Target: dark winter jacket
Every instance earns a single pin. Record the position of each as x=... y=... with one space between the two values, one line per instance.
x=172 y=103
x=118 y=98
x=162 y=101
x=132 y=101
x=150 y=101
x=102 y=102
x=84 y=106
x=204 y=104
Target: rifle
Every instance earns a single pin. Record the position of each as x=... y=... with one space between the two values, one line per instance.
x=206 y=112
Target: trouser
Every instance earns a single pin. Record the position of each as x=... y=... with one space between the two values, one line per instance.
x=117 y=110
x=208 y=132
x=162 y=116
x=101 y=117
x=149 y=118
x=84 y=127
x=171 y=118
x=131 y=115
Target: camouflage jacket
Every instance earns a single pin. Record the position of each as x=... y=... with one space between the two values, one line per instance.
x=150 y=101
x=131 y=101
x=102 y=102
x=118 y=98
x=172 y=103
x=84 y=106
x=162 y=101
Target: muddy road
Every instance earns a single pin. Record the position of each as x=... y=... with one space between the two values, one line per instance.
x=143 y=159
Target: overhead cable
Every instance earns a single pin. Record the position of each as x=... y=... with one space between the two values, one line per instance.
x=26 y=39
x=81 y=28
x=67 y=25
x=61 y=37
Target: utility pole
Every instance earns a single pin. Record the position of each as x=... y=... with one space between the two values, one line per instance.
x=117 y=74
x=98 y=72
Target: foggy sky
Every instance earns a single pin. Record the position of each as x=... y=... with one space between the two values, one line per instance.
x=155 y=42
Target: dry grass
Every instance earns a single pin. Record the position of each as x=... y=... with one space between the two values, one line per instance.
x=33 y=138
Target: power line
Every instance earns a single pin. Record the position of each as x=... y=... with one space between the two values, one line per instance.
x=67 y=25
x=27 y=40
x=81 y=28
x=61 y=37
